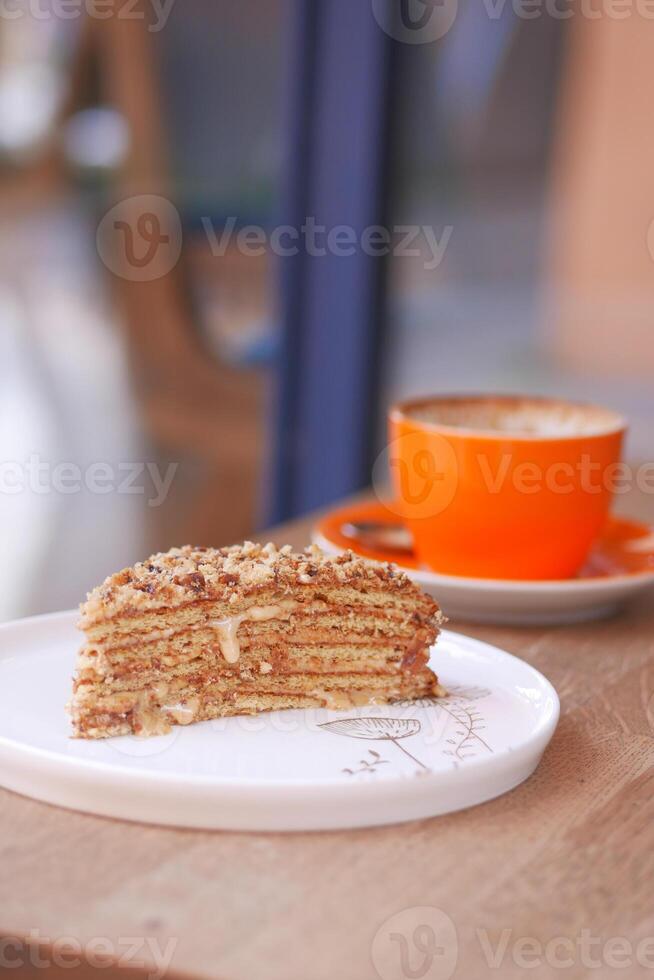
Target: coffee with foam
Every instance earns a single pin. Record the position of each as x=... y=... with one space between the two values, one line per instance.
x=517 y=417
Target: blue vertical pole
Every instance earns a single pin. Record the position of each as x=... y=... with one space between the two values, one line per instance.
x=331 y=303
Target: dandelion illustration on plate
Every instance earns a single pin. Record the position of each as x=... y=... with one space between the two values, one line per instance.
x=380 y=729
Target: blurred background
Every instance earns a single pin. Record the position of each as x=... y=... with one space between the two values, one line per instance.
x=186 y=357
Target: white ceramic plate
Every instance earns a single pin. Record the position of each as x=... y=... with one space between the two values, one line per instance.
x=289 y=770
x=515 y=603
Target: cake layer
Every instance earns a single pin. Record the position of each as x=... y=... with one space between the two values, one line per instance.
x=283 y=660
x=344 y=605
x=152 y=711
x=325 y=657
x=359 y=624
x=170 y=646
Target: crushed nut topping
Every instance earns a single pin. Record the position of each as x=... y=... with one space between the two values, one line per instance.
x=185 y=574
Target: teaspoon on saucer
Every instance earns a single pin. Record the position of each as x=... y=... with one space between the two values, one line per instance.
x=385 y=537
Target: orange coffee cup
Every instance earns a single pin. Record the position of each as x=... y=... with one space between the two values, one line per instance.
x=503 y=487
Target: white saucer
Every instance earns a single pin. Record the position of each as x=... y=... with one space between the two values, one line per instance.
x=292 y=770
x=515 y=603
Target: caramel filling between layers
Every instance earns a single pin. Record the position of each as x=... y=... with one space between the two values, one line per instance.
x=227 y=629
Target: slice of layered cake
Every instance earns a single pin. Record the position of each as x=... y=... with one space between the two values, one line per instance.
x=198 y=633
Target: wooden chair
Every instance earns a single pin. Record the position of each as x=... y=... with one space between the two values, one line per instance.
x=197 y=411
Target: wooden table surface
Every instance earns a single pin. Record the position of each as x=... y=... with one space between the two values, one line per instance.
x=554 y=879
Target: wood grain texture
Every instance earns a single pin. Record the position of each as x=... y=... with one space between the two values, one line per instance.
x=567 y=859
